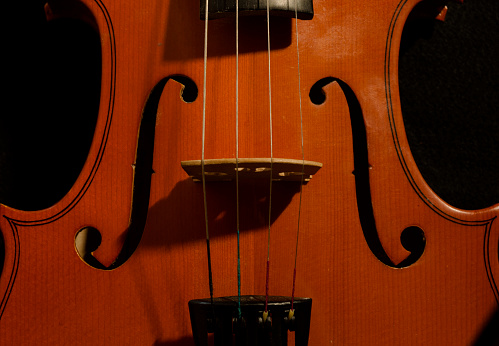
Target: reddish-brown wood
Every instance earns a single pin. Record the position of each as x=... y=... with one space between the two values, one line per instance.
x=51 y=296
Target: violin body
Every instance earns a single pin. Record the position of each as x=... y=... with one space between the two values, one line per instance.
x=384 y=259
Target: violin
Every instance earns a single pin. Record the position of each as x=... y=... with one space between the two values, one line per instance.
x=249 y=182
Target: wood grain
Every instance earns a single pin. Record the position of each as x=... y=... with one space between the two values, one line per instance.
x=51 y=296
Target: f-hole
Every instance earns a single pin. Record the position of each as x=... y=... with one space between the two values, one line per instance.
x=412 y=238
x=88 y=239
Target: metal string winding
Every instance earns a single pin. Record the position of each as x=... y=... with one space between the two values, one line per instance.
x=203 y=178
x=271 y=161
x=237 y=166
x=302 y=153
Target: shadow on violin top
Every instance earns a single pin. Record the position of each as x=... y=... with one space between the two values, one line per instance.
x=185 y=25
x=221 y=204
x=173 y=226
x=179 y=342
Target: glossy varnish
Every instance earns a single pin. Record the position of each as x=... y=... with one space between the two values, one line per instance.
x=436 y=285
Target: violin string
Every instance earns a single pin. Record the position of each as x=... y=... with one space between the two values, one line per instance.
x=237 y=166
x=302 y=155
x=267 y=282
x=203 y=178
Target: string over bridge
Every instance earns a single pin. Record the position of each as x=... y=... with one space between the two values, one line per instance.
x=252 y=168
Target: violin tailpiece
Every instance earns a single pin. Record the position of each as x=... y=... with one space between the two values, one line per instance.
x=222 y=321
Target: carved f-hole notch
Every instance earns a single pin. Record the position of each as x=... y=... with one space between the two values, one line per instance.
x=412 y=238
x=88 y=239
x=227 y=8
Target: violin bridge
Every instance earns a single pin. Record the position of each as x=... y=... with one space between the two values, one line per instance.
x=221 y=318
x=252 y=168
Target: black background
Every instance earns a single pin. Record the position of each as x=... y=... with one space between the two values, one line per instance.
x=449 y=81
x=448 y=84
